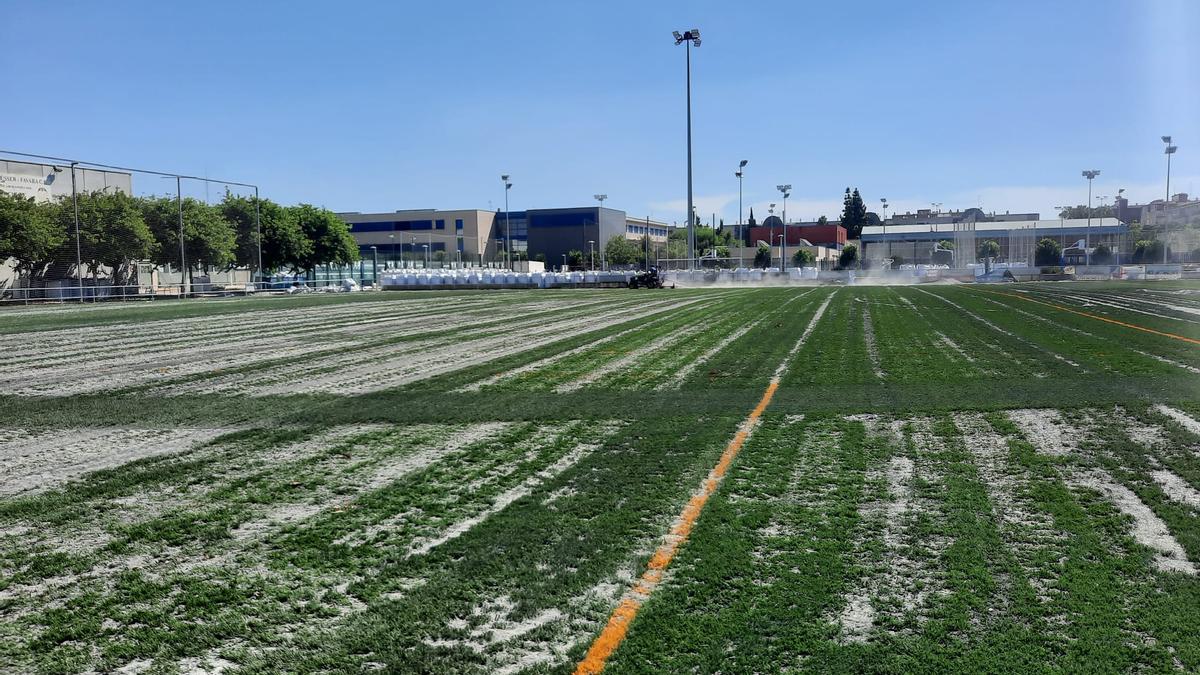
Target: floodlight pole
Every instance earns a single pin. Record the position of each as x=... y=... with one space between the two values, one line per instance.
x=182 y=247
x=507 y=226
x=375 y=267
x=258 y=230
x=1168 y=151
x=78 y=247
x=1089 y=174
x=687 y=39
x=784 y=189
x=741 y=223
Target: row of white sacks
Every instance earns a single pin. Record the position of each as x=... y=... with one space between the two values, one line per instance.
x=409 y=279
x=740 y=274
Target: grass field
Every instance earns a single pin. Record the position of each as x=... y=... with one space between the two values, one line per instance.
x=907 y=479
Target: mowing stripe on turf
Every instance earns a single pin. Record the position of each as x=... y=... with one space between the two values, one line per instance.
x=618 y=623
x=1101 y=318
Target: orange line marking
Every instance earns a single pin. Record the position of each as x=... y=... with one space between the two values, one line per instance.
x=618 y=624
x=1098 y=317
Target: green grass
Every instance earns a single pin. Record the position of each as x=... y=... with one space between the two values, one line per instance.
x=388 y=530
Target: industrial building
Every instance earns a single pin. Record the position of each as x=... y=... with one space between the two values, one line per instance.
x=476 y=237
x=916 y=243
x=46 y=182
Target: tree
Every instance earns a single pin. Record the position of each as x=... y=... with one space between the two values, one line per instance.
x=848 y=256
x=210 y=241
x=946 y=245
x=619 y=250
x=1048 y=252
x=283 y=242
x=803 y=257
x=28 y=232
x=1102 y=255
x=988 y=249
x=575 y=259
x=872 y=219
x=822 y=220
x=112 y=233
x=1082 y=211
x=1148 y=251
x=332 y=243
x=762 y=257
x=854 y=214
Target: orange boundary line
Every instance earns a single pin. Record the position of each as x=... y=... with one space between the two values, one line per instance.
x=618 y=623
x=1097 y=316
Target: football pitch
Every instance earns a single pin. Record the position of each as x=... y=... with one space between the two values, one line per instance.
x=933 y=478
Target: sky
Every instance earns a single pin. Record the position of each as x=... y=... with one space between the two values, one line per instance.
x=378 y=106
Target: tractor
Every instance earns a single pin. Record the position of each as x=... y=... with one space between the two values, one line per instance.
x=647 y=279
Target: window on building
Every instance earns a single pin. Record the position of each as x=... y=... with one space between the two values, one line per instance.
x=441 y=224
x=458 y=223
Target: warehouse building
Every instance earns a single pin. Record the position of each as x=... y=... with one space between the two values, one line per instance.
x=915 y=244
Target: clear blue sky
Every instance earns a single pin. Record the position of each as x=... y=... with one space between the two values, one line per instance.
x=388 y=105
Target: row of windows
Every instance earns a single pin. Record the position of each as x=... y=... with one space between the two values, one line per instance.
x=642 y=229
x=403 y=225
x=388 y=249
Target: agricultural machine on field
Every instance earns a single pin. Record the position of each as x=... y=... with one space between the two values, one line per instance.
x=647 y=279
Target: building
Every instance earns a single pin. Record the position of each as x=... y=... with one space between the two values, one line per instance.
x=1179 y=211
x=451 y=236
x=45 y=182
x=830 y=235
x=475 y=237
x=1017 y=239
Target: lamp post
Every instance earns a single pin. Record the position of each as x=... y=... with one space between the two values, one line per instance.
x=592 y=254
x=374 y=267
x=689 y=39
x=785 y=190
x=182 y=250
x=1062 y=221
x=78 y=247
x=1168 y=150
x=392 y=241
x=504 y=178
x=564 y=265
x=741 y=227
x=1102 y=199
x=412 y=248
x=426 y=247
x=887 y=247
x=1089 y=174
x=780 y=236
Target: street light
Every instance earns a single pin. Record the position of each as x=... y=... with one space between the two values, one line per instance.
x=392 y=242
x=785 y=190
x=741 y=227
x=1089 y=174
x=426 y=247
x=781 y=244
x=1062 y=220
x=592 y=254
x=564 y=265
x=689 y=39
x=1102 y=199
x=374 y=267
x=1168 y=150
x=507 y=228
x=182 y=253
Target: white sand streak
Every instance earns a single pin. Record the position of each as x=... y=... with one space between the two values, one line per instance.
x=48 y=459
x=683 y=373
x=902 y=581
x=615 y=365
x=384 y=373
x=1030 y=533
x=783 y=366
x=1148 y=529
x=502 y=501
x=1108 y=301
x=549 y=360
x=1002 y=331
x=869 y=339
x=379 y=474
x=1186 y=421
x=1048 y=431
x=954 y=345
x=1176 y=488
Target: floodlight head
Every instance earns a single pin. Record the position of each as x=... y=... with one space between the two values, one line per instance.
x=738 y=173
x=1091 y=173
x=743 y=163
x=507 y=186
x=1167 y=140
x=678 y=37
x=504 y=177
x=1170 y=149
